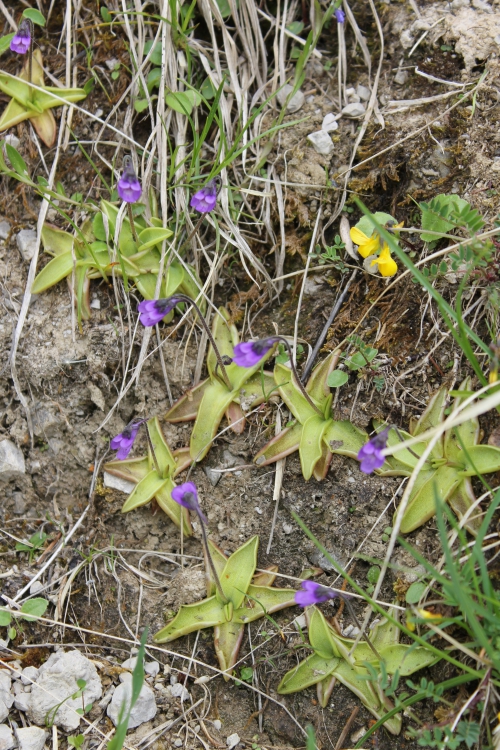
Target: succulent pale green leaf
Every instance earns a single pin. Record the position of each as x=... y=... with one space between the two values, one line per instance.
x=226 y=337
x=324 y=689
x=174 y=279
x=227 y=641
x=55 y=270
x=280 y=446
x=344 y=438
x=256 y=389
x=214 y=403
x=219 y=560
x=152 y=236
x=191 y=286
x=144 y=491
x=183 y=101
x=164 y=457
x=56 y=241
x=404 y=456
x=323 y=464
x=191 y=617
x=431 y=417
x=310 y=448
x=263 y=600
x=186 y=408
x=131 y=469
x=321 y=636
x=480 y=459
x=309 y=672
x=423 y=505
x=465 y=434
x=238 y=572
x=317 y=386
x=291 y=395
x=406 y=659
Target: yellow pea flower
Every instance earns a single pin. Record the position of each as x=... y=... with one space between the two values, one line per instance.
x=426 y=615
x=386 y=265
x=366 y=245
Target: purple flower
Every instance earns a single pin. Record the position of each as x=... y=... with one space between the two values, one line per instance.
x=340 y=15
x=129 y=187
x=21 y=41
x=370 y=454
x=187 y=495
x=249 y=353
x=313 y=593
x=124 y=441
x=205 y=199
x=153 y=310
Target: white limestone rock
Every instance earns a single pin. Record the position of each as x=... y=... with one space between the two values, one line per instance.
x=354 y=110
x=295 y=103
x=329 y=123
x=57 y=682
x=11 y=461
x=26 y=242
x=321 y=142
x=6 y=738
x=144 y=710
x=31 y=738
x=117 y=483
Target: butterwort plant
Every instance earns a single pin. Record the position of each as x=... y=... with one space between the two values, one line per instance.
x=205 y=199
x=129 y=189
x=241 y=597
x=123 y=442
x=22 y=39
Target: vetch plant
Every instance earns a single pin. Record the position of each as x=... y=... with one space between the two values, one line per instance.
x=243 y=597
x=229 y=389
x=371 y=245
x=315 y=434
x=153 y=474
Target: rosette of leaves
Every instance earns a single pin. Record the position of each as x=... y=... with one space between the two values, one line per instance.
x=249 y=597
x=31 y=104
x=208 y=401
x=331 y=661
x=316 y=437
x=88 y=254
x=455 y=458
x=154 y=476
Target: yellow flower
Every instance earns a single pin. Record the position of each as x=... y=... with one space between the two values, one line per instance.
x=386 y=265
x=426 y=615
x=366 y=245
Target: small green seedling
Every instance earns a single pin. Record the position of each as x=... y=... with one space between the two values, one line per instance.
x=331 y=662
x=316 y=437
x=454 y=459
x=31 y=104
x=30 y=610
x=35 y=543
x=207 y=402
x=153 y=475
x=248 y=597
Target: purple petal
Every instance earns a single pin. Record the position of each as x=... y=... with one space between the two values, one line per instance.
x=340 y=15
x=116 y=442
x=313 y=593
x=128 y=187
x=187 y=495
x=371 y=462
x=21 y=41
x=204 y=200
x=249 y=353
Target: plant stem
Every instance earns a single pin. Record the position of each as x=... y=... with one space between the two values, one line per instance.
x=210 y=561
x=30 y=59
x=153 y=454
x=297 y=379
x=184 y=298
x=358 y=625
x=132 y=225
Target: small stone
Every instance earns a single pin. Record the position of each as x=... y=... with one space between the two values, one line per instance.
x=213 y=475
x=217 y=724
x=329 y=123
x=19 y=503
x=95 y=304
x=26 y=242
x=355 y=736
x=129 y=663
x=178 y=742
x=22 y=702
x=287 y=528
x=6 y=738
x=112 y=63
x=179 y=691
x=11 y=461
x=300 y=622
x=295 y=103
x=232 y=740
x=31 y=738
x=117 y=483
x=35 y=587
x=321 y=142
x=12 y=140
x=354 y=110
x=4 y=711
x=4 y=230
x=363 y=92
x=144 y=710
x=401 y=77
x=152 y=668
x=29 y=674
x=350 y=91
x=481 y=5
